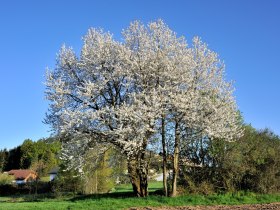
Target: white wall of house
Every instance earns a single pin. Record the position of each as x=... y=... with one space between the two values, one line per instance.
x=20 y=181
x=52 y=176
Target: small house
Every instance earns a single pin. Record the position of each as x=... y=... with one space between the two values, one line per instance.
x=53 y=173
x=22 y=176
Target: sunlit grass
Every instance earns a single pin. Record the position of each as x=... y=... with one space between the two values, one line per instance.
x=152 y=186
x=125 y=201
x=123 y=198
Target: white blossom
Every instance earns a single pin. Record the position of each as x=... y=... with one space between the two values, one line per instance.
x=116 y=91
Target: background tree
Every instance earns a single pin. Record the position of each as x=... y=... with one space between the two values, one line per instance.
x=13 y=159
x=261 y=165
x=249 y=164
x=99 y=176
x=3 y=159
x=29 y=154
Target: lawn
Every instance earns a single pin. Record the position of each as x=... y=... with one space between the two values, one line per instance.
x=122 y=198
x=153 y=186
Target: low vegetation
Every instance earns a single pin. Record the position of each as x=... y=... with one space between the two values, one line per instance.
x=5 y=179
x=125 y=200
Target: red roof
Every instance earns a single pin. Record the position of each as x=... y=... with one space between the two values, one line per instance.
x=21 y=173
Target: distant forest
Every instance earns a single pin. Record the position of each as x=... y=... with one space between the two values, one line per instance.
x=30 y=155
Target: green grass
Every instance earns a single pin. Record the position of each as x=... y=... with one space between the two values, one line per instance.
x=124 y=201
x=123 y=198
x=153 y=186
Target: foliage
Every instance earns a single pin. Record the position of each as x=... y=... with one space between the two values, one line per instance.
x=99 y=176
x=118 y=163
x=251 y=163
x=104 y=167
x=28 y=153
x=40 y=155
x=261 y=161
x=5 y=178
x=67 y=181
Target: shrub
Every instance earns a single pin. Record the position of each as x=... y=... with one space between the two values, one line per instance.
x=5 y=179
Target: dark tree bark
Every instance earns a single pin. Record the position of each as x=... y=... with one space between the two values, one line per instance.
x=138 y=172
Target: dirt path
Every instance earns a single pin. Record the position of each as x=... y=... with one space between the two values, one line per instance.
x=270 y=206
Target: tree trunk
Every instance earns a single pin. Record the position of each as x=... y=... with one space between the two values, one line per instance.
x=138 y=172
x=164 y=158
x=134 y=178
x=175 y=160
x=143 y=172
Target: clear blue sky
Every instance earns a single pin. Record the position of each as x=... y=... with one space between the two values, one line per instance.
x=245 y=33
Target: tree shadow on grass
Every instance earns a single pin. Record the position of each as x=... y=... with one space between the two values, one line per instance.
x=105 y=195
x=80 y=197
x=66 y=197
x=116 y=195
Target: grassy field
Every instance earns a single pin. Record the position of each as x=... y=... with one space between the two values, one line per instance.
x=123 y=199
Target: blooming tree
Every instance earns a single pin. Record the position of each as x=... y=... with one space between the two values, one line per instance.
x=117 y=92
